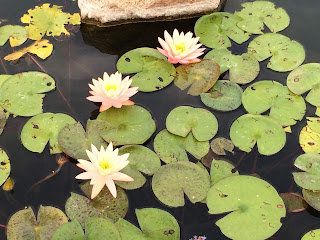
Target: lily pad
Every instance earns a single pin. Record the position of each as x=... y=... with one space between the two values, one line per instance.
x=23 y=225
x=314 y=123
x=201 y=122
x=294 y=202
x=305 y=78
x=69 y=231
x=5 y=166
x=250 y=129
x=141 y=160
x=224 y=96
x=312 y=198
x=221 y=169
x=172 y=148
x=22 y=94
x=3 y=120
x=242 y=68
x=309 y=140
x=74 y=140
x=219 y=145
x=215 y=30
x=285 y=54
x=312 y=235
x=45 y=20
x=16 y=35
x=252 y=202
x=44 y=128
x=285 y=106
x=104 y=205
x=128 y=125
x=257 y=13
x=172 y=181
x=199 y=76
x=153 y=71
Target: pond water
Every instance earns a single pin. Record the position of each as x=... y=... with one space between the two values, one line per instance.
x=91 y=52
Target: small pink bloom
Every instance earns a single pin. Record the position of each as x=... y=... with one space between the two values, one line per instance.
x=180 y=48
x=103 y=169
x=112 y=91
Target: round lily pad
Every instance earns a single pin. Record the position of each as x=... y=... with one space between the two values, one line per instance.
x=44 y=128
x=153 y=71
x=250 y=129
x=294 y=202
x=141 y=160
x=312 y=198
x=314 y=123
x=172 y=181
x=219 y=145
x=223 y=96
x=312 y=235
x=309 y=140
x=215 y=30
x=255 y=206
x=285 y=106
x=285 y=54
x=172 y=148
x=199 y=76
x=16 y=34
x=305 y=78
x=23 y=225
x=201 y=122
x=69 y=231
x=128 y=125
x=242 y=68
x=5 y=166
x=255 y=14
x=22 y=94
x=221 y=169
x=99 y=228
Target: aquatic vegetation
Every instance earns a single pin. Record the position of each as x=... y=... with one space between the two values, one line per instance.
x=198 y=238
x=221 y=169
x=294 y=202
x=313 y=234
x=309 y=138
x=16 y=35
x=220 y=145
x=3 y=121
x=5 y=166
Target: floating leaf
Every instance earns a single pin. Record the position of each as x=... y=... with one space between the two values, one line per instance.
x=23 y=225
x=69 y=231
x=219 y=145
x=128 y=125
x=5 y=166
x=171 y=148
x=22 y=94
x=242 y=68
x=312 y=198
x=214 y=30
x=257 y=13
x=252 y=202
x=285 y=106
x=314 y=123
x=97 y=228
x=250 y=129
x=153 y=70
x=74 y=140
x=221 y=169
x=44 y=128
x=141 y=159
x=45 y=20
x=309 y=140
x=16 y=35
x=8 y=185
x=312 y=235
x=104 y=205
x=285 y=54
x=199 y=76
x=3 y=120
x=223 y=96
x=184 y=119
x=294 y=202
x=172 y=181
x=305 y=78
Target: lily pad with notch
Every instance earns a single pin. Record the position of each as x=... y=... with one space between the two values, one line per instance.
x=5 y=166
x=221 y=169
x=312 y=198
x=220 y=145
x=16 y=35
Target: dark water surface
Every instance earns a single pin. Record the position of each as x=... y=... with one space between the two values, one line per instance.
x=92 y=51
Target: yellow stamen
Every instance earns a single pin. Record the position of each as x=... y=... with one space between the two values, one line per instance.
x=180 y=47
x=111 y=87
x=105 y=164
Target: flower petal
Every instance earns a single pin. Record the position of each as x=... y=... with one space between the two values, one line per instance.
x=112 y=187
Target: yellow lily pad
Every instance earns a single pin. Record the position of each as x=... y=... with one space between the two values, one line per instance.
x=309 y=140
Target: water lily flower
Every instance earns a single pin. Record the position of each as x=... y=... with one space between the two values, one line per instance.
x=180 y=48
x=112 y=91
x=103 y=169
x=198 y=238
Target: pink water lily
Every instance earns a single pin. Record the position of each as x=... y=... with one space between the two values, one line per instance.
x=112 y=91
x=180 y=48
x=103 y=169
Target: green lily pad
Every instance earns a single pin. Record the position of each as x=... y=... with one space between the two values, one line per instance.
x=285 y=54
x=285 y=106
x=5 y=166
x=153 y=71
x=224 y=96
x=314 y=123
x=309 y=163
x=201 y=122
x=74 y=140
x=128 y=125
x=3 y=120
x=155 y=224
x=221 y=169
x=250 y=129
x=312 y=235
x=312 y=198
x=23 y=225
x=294 y=202
x=242 y=68
x=252 y=202
x=215 y=30
x=69 y=231
x=16 y=35
x=22 y=94
x=199 y=76
x=257 y=13
x=305 y=78
x=172 y=181
x=309 y=140
x=44 y=128
x=172 y=148
x=104 y=205
x=97 y=228
x=219 y=145
x=141 y=160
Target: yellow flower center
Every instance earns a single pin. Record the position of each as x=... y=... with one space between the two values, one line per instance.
x=180 y=47
x=111 y=87
x=105 y=164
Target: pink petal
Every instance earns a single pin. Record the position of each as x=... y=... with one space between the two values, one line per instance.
x=86 y=175
x=165 y=53
x=127 y=103
x=119 y=176
x=104 y=107
x=96 y=99
x=112 y=187
x=97 y=187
